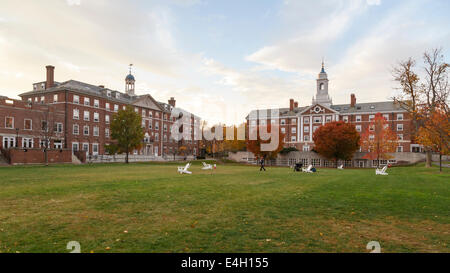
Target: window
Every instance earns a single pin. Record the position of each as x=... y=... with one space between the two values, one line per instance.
x=293 y=139
x=144 y=113
x=86 y=115
x=317 y=119
x=96 y=103
x=96 y=131
x=156 y=125
x=44 y=126
x=165 y=127
x=294 y=121
x=76 y=129
x=27 y=143
x=106 y=132
x=28 y=124
x=253 y=122
x=294 y=130
x=372 y=127
x=57 y=144
x=95 y=148
x=96 y=117
x=399 y=116
x=107 y=119
x=55 y=98
x=306 y=138
x=9 y=122
x=76 y=99
x=371 y=137
x=76 y=114
x=116 y=107
x=328 y=119
x=87 y=101
x=283 y=130
x=108 y=93
x=371 y=117
x=150 y=125
x=263 y=122
x=143 y=123
x=345 y=118
x=165 y=138
x=358 y=128
x=306 y=149
x=306 y=120
x=358 y=119
x=306 y=129
x=386 y=116
x=150 y=114
x=107 y=106
x=75 y=146
x=86 y=130
x=315 y=128
x=58 y=127
x=136 y=110
x=85 y=147
x=400 y=149
x=9 y=142
x=42 y=99
x=156 y=137
x=283 y=122
x=400 y=136
x=399 y=127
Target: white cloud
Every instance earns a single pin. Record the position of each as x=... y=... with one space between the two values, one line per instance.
x=73 y=2
x=374 y=2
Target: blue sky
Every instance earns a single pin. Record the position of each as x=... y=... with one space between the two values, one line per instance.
x=220 y=59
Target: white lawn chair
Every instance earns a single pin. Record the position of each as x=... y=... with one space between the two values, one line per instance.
x=207 y=166
x=308 y=170
x=381 y=171
x=185 y=169
x=341 y=167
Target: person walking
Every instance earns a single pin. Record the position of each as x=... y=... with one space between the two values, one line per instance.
x=262 y=164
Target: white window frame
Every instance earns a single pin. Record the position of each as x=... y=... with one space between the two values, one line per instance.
x=76 y=99
x=12 y=125
x=25 y=122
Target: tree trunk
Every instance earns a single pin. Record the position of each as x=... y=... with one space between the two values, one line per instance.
x=46 y=157
x=126 y=158
x=440 y=162
x=428 y=158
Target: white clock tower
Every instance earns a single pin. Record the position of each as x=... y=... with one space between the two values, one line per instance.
x=322 y=96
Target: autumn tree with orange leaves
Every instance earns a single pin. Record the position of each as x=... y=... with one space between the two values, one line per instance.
x=435 y=133
x=378 y=140
x=255 y=145
x=336 y=140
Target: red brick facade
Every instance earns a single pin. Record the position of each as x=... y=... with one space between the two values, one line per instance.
x=79 y=115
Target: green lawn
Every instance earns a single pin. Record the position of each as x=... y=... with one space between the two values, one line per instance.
x=151 y=208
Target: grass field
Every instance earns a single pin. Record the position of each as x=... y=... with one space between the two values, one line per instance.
x=151 y=208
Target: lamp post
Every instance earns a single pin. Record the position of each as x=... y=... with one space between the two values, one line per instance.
x=17 y=137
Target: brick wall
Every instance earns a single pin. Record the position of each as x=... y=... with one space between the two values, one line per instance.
x=37 y=156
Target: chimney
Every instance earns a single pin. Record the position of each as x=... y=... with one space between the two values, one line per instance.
x=102 y=86
x=353 y=100
x=172 y=101
x=50 y=76
x=291 y=104
x=296 y=104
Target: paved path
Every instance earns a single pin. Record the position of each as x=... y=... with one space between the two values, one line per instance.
x=443 y=164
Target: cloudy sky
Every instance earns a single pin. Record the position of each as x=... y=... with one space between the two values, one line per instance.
x=219 y=59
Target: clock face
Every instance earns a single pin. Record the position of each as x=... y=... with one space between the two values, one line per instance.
x=317 y=109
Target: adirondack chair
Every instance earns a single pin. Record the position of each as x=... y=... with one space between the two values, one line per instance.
x=308 y=170
x=381 y=171
x=185 y=169
x=341 y=167
x=207 y=166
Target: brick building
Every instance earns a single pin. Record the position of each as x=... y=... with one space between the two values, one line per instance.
x=299 y=123
x=78 y=115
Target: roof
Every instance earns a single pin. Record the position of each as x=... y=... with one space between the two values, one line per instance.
x=369 y=107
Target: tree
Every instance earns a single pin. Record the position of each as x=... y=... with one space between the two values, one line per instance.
x=435 y=133
x=127 y=131
x=254 y=146
x=336 y=140
x=378 y=140
x=421 y=98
